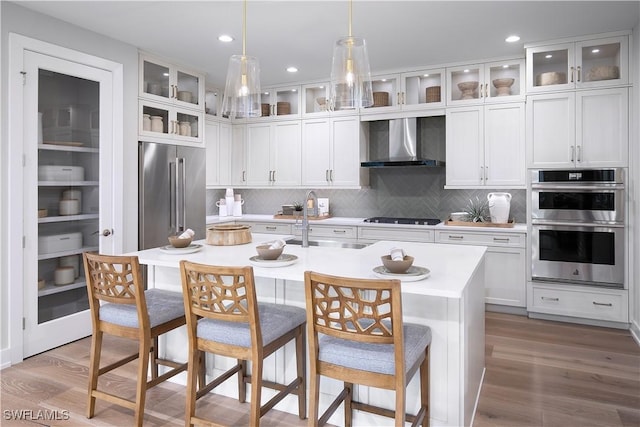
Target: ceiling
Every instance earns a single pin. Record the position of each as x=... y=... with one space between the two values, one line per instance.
x=301 y=33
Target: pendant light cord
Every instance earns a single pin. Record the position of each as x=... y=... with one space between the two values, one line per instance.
x=350 y=15
x=244 y=28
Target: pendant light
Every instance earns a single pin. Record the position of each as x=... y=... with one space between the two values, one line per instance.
x=350 y=73
x=242 y=90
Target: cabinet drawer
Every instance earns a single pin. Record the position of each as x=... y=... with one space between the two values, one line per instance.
x=481 y=238
x=590 y=304
x=389 y=233
x=341 y=232
x=268 y=227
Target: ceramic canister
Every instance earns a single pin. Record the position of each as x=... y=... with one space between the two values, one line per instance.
x=63 y=276
x=71 y=261
x=73 y=194
x=156 y=124
x=499 y=207
x=69 y=207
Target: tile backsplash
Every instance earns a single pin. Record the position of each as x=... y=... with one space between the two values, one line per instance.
x=400 y=192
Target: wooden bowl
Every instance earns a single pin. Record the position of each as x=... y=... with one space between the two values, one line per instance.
x=177 y=242
x=397 y=267
x=228 y=235
x=269 y=254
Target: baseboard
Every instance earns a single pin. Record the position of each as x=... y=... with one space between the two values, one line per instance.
x=507 y=309
x=580 y=320
x=5 y=358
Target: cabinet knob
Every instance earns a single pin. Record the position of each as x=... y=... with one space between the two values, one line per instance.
x=106 y=232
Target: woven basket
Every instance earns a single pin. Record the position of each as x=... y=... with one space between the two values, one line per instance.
x=283 y=108
x=380 y=99
x=433 y=94
x=265 y=109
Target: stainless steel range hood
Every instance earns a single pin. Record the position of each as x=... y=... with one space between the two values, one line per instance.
x=403 y=147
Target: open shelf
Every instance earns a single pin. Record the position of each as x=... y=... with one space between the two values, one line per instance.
x=63 y=218
x=65 y=253
x=50 y=288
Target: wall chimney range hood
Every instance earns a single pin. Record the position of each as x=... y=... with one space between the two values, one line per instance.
x=403 y=147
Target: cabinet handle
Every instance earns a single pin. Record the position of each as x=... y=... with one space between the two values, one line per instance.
x=340 y=231
x=454 y=237
x=573 y=152
x=486 y=173
x=481 y=173
x=244 y=176
x=274 y=176
x=326 y=175
x=578 y=156
x=399 y=100
x=271 y=228
x=603 y=304
x=501 y=239
x=549 y=299
x=331 y=175
x=486 y=90
x=571 y=74
x=579 y=73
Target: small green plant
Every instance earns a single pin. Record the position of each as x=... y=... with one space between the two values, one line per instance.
x=477 y=211
x=297 y=206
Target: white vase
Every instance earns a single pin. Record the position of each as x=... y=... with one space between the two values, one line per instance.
x=499 y=207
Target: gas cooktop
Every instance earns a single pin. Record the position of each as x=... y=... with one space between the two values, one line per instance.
x=392 y=220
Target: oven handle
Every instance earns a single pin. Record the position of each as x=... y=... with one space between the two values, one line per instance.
x=576 y=224
x=599 y=187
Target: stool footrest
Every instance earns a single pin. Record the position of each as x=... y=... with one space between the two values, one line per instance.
x=167 y=375
x=112 y=398
x=117 y=364
x=217 y=381
x=384 y=412
x=334 y=405
x=284 y=391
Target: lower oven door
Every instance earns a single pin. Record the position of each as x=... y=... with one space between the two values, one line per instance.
x=591 y=254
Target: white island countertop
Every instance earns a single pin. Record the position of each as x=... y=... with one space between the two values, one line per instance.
x=450 y=266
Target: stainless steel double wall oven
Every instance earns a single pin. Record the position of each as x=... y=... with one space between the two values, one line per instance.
x=578 y=226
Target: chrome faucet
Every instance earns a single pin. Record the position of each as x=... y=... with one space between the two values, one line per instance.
x=305 y=216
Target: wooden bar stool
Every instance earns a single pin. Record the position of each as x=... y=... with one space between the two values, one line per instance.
x=224 y=318
x=131 y=312
x=363 y=340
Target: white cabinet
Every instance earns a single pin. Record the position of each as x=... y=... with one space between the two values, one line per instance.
x=403 y=234
x=486 y=146
x=171 y=103
x=331 y=152
x=581 y=63
x=281 y=102
x=273 y=154
x=218 y=150
x=333 y=232
x=578 y=129
x=267 y=227
x=480 y=83
x=586 y=302
x=164 y=82
x=239 y=155
x=505 y=263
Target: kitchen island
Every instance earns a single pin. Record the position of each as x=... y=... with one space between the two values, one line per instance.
x=450 y=301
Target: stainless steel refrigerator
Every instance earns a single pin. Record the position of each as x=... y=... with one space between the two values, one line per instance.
x=171 y=192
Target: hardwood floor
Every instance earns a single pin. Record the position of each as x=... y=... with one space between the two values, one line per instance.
x=539 y=373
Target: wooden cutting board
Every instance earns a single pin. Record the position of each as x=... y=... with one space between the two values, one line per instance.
x=311 y=217
x=509 y=224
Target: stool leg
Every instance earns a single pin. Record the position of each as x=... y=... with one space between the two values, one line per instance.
x=193 y=367
x=348 y=408
x=301 y=359
x=154 y=358
x=314 y=395
x=202 y=369
x=242 y=385
x=424 y=388
x=400 y=405
x=256 y=391
x=143 y=368
x=94 y=367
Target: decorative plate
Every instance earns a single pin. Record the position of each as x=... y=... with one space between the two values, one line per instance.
x=194 y=247
x=282 y=261
x=413 y=274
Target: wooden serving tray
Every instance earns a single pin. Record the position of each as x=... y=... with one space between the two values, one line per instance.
x=281 y=216
x=509 y=224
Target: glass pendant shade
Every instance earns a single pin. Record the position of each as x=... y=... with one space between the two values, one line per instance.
x=242 y=90
x=350 y=75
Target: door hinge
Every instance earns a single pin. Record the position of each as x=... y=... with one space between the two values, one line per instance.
x=24 y=323
x=24 y=77
x=24 y=242
x=24 y=160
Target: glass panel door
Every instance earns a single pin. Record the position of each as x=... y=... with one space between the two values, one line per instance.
x=64 y=195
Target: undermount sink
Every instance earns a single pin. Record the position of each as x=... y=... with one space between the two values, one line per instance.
x=329 y=244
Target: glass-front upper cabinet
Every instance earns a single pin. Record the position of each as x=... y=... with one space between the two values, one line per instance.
x=386 y=94
x=281 y=102
x=162 y=81
x=582 y=64
x=422 y=89
x=158 y=122
x=500 y=81
x=315 y=99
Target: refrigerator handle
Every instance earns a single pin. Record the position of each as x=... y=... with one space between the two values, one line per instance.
x=181 y=205
x=172 y=196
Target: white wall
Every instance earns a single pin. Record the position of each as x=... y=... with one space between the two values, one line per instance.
x=635 y=187
x=19 y=20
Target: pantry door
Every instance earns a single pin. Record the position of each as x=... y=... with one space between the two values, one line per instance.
x=68 y=193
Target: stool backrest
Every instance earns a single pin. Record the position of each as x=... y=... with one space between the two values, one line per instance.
x=365 y=310
x=117 y=280
x=220 y=293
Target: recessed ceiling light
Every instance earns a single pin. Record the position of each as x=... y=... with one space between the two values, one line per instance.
x=225 y=38
x=548 y=56
x=320 y=87
x=165 y=74
x=266 y=93
x=595 y=51
x=292 y=70
x=426 y=75
x=465 y=71
x=294 y=90
x=505 y=66
x=512 y=39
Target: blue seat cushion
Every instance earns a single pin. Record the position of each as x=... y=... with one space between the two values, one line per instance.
x=275 y=321
x=162 y=307
x=374 y=357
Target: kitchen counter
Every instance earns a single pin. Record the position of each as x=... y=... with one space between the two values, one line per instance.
x=359 y=222
x=450 y=301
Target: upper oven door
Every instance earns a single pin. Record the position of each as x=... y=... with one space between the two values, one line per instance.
x=581 y=203
x=588 y=253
